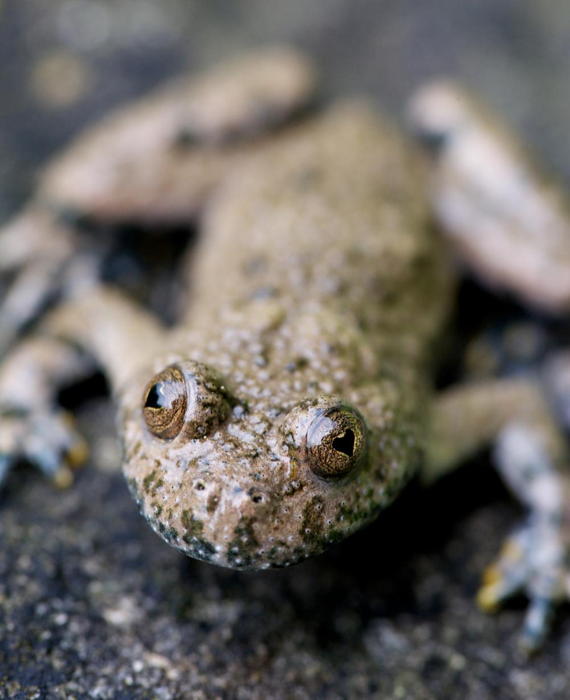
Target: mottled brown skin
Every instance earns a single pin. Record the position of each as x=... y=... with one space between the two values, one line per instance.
x=293 y=401
x=318 y=284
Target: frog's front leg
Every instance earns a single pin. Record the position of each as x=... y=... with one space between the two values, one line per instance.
x=32 y=427
x=530 y=454
x=101 y=326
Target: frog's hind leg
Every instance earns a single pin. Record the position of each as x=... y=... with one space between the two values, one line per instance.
x=531 y=456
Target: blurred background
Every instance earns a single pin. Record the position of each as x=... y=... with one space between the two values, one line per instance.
x=66 y=62
x=92 y=603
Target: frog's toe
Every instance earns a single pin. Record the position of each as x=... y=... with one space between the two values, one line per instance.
x=506 y=576
x=48 y=440
x=532 y=563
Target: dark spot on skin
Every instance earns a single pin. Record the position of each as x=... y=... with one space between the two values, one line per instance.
x=212 y=504
x=272 y=553
x=354 y=514
x=203 y=550
x=242 y=549
x=334 y=536
x=195 y=544
x=151 y=483
x=293 y=487
x=298 y=363
x=312 y=528
x=170 y=534
x=193 y=527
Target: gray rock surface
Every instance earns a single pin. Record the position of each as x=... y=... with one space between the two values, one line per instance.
x=92 y=603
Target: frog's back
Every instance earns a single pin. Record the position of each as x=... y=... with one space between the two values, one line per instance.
x=333 y=217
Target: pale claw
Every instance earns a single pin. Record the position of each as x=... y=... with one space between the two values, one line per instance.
x=48 y=440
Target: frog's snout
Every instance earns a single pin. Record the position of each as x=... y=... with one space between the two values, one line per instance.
x=230 y=498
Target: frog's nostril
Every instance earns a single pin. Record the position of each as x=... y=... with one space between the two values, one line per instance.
x=199 y=486
x=257 y=497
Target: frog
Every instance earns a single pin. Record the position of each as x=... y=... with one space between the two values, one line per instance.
x=294 y=399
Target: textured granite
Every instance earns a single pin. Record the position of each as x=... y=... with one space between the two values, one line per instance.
x=92 y=603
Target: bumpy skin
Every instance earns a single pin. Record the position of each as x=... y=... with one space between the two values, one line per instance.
x=318 y=282
x=293 y=402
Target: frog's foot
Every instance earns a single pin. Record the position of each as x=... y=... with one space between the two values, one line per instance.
x=532 y=562
x=46 y=439
x=532 y=458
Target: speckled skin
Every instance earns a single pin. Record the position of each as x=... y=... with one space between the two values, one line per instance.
x=318 y=280
x=293 y=401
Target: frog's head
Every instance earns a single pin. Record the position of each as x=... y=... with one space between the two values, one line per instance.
x=254 y=484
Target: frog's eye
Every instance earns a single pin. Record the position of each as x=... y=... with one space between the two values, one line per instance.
x=335 y=442
x=165 y=404
x=190 y=399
